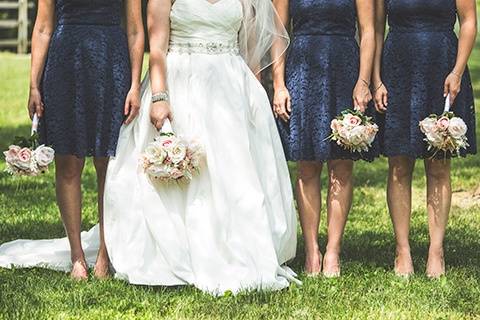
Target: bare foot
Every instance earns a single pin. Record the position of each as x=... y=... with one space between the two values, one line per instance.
x=102 y=265
x=435 y=264
x=331 y=265
x=313 y=263
x=404 y=264
x=79 y=270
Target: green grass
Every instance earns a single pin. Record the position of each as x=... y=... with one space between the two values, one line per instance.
x=367 y=290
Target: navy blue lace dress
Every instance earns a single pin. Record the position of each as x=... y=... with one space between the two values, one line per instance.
x=86 y=79
x=322 y=70
x=419 y=53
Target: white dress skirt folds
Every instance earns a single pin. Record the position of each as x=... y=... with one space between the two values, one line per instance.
x=233 y=226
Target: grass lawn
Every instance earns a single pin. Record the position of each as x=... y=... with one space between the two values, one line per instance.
x=368 y=288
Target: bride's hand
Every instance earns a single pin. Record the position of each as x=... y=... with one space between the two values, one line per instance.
x=132 y=105
x=159 y=112
x=282 y=105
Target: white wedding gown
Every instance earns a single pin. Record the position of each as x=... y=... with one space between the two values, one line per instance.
x=234 y=225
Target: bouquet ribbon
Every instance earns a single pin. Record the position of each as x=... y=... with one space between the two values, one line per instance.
x=35 y=121
x=448 y=105
x=167 y=127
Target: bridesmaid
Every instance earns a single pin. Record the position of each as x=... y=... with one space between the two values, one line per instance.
x=422 y=63
x=324 y=70
x=85 y=81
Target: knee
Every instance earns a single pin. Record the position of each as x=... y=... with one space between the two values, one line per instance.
x=438 y=170
x=401 y=169
x=68 y=173
x=68 y=168
x=101 y=165
x=308 y=171
x=341 y=172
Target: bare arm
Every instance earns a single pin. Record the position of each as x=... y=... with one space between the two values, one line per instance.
x=380 y=92
x=135 y=36
x=467 y=14
x=158 y=21
x=281 y=99
x=366 y=16
x=42 y=32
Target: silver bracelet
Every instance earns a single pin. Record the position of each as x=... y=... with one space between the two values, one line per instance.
x=161 y=96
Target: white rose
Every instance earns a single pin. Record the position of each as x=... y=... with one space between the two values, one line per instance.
x=457 y=128
x=159 y=171
x=155 y=153
x=177 y=152
x=428 y=125
x=44 y=155
x=356 y=136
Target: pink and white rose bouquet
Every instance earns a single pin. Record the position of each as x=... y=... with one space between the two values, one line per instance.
x=353 y=131
x=445 y=133
x=26 y=157
x=171 y=158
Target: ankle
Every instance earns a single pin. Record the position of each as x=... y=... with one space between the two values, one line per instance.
x=333 y=250
x=435 y=251
x=403 y=250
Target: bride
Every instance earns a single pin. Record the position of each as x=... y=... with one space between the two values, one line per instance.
x=234 y=225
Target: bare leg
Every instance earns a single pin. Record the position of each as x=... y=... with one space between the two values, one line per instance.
x=309 y=205
x=339 y=202
x=439 y=197
x=69 y=198
x=399 y=198
x=102 y=264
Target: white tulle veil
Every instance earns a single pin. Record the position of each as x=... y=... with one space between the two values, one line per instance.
x=262 y=37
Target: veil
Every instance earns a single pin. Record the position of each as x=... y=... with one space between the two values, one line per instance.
x=262 y=38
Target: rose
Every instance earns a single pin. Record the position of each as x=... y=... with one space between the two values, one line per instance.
x=44 y=155
x=159 y=171
x=356 y=136
x=155 y=153
x=369 y=133
x=11 y=154
x=177 y=152
x=443 y=123
x=176 y=173
x=24 y=159
x=457 y=127
x=351 y=120
x=428 y=124
x=335 y=125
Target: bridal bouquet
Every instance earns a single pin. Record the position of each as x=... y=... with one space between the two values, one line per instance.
x=353 y=131
x=446 y=132
x=171 y=158
x=26 y=157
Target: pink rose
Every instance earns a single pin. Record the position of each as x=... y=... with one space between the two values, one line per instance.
x=24 y=159
x=351 y=120
x=11 y=154
x=176 y=173
x=443 y=123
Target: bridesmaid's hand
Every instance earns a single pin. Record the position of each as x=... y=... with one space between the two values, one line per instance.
x=159 y=112
x=452 y=86
x=35 y=104
x=282 y=106
x=361 y=96
x=381 y=98
x=132 y=105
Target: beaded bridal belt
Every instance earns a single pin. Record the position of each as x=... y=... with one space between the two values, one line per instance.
x=204 y=47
